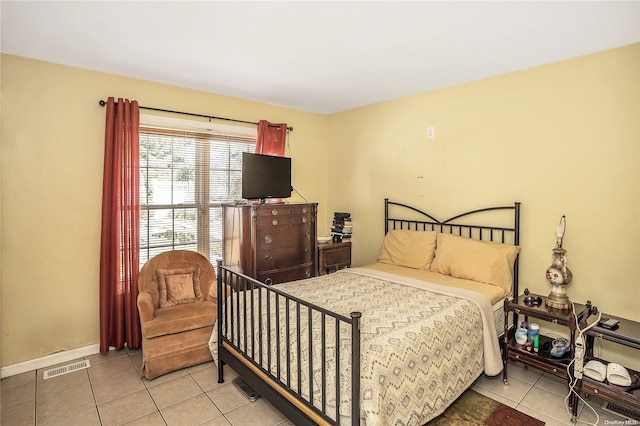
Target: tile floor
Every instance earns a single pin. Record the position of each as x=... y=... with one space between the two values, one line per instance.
x=111 y=392
x=542 y=396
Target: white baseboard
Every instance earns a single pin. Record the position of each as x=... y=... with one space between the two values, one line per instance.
x=49 y=360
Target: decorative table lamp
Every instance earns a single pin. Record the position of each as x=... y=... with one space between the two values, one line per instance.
x=558 y=275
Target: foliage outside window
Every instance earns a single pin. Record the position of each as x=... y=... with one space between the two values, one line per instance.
x=185 y=177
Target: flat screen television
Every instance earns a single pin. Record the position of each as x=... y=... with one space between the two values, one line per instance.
x=265 y=176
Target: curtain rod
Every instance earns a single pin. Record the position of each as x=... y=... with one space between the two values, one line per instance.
x=210 y=117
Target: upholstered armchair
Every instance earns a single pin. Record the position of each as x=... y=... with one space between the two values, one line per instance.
x=177 y=313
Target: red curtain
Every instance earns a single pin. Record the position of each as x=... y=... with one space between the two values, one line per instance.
x=120 y=242
x=271 y=138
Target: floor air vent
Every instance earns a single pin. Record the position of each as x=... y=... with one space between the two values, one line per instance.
x=621 y=411
x=69 y=368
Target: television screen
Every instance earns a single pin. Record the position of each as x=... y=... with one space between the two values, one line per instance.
x=265 y=176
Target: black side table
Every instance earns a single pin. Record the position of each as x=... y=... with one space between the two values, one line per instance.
x=542 y=360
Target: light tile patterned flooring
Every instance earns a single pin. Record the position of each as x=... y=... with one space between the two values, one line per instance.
x=111 y=392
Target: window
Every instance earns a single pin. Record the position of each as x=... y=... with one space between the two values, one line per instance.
x=187 y=171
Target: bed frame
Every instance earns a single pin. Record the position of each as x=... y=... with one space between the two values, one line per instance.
x=509 y=234
x=275 y=384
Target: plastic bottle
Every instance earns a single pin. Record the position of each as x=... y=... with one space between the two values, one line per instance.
x=533 y=331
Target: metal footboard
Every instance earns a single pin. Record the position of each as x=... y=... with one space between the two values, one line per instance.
x=264 y=334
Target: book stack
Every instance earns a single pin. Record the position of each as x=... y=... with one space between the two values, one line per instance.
x=342 y=227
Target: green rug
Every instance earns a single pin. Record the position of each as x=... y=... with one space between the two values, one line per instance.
x=475 y=409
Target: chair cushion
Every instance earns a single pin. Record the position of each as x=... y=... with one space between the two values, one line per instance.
x=178 y=286
x=179 y=318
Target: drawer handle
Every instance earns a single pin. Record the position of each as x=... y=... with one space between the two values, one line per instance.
x=274 y=222
x=306 y=249
x=555 y=370
x=307 y=273
x=268 y=281
x=268 y=257
x=274 y=212
x=517 y=356
x=307 y=234
x=304 y=210
x=268 y=239
x=304 y=220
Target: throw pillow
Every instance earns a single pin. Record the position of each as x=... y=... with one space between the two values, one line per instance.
x=178 y=286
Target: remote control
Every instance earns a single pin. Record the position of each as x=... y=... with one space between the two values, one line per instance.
x=609 y=323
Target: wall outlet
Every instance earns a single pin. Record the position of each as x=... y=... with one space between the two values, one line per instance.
x=431 y=132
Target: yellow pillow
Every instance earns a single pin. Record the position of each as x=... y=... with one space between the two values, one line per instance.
x=413 y=249
x=475 y=260
x=177 y=286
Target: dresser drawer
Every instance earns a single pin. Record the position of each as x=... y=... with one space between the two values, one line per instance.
x=282 y=276
x=283 y=210
x=277 y=258
x=284 y=236
x=266 y=222
x=338 y=255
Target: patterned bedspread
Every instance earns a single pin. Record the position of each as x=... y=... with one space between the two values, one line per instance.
x=422 y=344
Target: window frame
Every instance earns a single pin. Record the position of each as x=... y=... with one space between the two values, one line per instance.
x=203 y=132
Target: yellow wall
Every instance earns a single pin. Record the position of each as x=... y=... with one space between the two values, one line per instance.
x=52 y=157
x=563 y=138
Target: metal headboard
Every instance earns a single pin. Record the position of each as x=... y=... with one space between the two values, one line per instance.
x=509 y=234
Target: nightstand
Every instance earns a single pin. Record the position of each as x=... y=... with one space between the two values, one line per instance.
x=333 y=256
x=628 y=334
x=542 y=360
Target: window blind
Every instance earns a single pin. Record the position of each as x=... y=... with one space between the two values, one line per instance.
x=185 y=177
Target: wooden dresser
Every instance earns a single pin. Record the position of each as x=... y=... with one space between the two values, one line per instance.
x=273 y=243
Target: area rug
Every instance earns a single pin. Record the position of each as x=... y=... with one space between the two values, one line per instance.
x=475 y=409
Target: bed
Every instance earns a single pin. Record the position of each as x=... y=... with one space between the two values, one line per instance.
x=393 y=342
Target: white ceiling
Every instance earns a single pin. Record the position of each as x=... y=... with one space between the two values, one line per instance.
x=323 y=56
